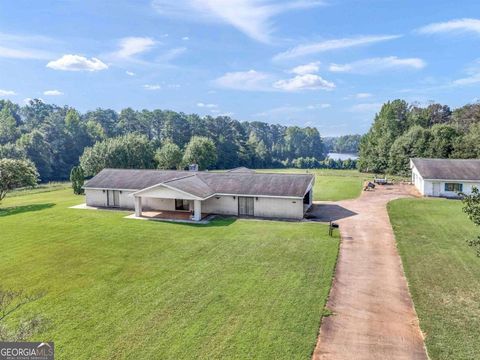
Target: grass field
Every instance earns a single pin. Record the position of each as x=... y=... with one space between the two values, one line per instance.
x=115 y=288
x=333 y=185
x=443 y=273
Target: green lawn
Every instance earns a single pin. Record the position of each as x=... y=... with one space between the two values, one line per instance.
x=332 y=185
x=443 y=273
x=119 y=288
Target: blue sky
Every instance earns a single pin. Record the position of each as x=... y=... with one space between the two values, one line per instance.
x=324 y=63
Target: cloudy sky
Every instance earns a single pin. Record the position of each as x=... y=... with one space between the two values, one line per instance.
x=323 y=63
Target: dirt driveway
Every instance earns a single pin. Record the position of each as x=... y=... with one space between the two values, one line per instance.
x=373 y=314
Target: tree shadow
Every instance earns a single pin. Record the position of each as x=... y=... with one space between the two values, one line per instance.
x=328 y=212
x=14 y=210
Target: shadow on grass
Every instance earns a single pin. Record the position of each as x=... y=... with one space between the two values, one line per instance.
x=216 y=222
x=14 y=210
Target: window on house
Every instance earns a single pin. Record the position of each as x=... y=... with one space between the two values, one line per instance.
x=453 y=187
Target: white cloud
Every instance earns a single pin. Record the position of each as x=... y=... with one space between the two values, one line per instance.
x=19 y=53
x=130 y=73
x=152 y=87
x=367 y=107
x=377 y=64
x=319 y=106
x=132 y=45
x=7 y=92
x=309 y=68
x=252 y=17
x=472 y=78
x=253 y=80
x=14 y=46
x=210 y=106
x=304 y=82
x=77 y=63
x=52 y=93
x=171 y=54
x=363 y=95
x=289 y=109
x=244 y=80
x=228 y=113
x=185 y=38
x=456 y=25
x=334 y=44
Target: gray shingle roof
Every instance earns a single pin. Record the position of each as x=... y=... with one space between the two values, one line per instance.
x=191 y=184
x=448 y=169
x=242 y=169
x=129 y=179
x=205 y=184
x=240 y=183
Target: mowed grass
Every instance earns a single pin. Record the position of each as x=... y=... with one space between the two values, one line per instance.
x=332 y=185
x=443 y=273
x=116 y=288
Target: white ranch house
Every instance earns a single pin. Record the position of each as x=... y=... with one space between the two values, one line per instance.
x=445 y=177
x=194 y=195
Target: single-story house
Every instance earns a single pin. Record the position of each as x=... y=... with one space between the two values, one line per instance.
x=445 y=177
x=237 y=192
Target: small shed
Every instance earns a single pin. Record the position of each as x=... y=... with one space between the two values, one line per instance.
x=445 y=177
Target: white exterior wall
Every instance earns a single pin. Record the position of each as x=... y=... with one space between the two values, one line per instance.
x=164 y=199
x=418 y=181
x=158 y=204
x=225 y=205
x=166 y=193
x=263 y=207
x=467 y=187
x=426 y=187
x=279 y=208
x=98 y=198
x=126 y=200
x=95 y=197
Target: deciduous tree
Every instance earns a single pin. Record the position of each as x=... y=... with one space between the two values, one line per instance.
x=15 y=174
x=472 y=209
x=129 y=152
x=201 y=151
x=169 y=157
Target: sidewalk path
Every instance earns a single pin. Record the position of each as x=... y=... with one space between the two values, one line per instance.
x=373 y=314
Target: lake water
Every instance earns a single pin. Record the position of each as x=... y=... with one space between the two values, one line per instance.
x=337 y=156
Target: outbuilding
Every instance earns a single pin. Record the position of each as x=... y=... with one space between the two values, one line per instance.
x=195 y=194
x=445 y=177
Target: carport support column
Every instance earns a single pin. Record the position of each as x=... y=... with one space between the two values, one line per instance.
x=197 y=210
x=138 y=206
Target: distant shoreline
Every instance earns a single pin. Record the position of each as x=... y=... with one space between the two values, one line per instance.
x=342 y=156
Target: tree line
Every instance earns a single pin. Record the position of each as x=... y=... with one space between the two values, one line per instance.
x=401 y=131
x=345 y=144
x=55 y=137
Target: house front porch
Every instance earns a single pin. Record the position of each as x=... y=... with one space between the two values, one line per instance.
x=170 y=215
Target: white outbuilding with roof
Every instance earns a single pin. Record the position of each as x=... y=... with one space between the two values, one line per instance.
x=445 y=177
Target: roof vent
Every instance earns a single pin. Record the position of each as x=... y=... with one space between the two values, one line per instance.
x=193 y=167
